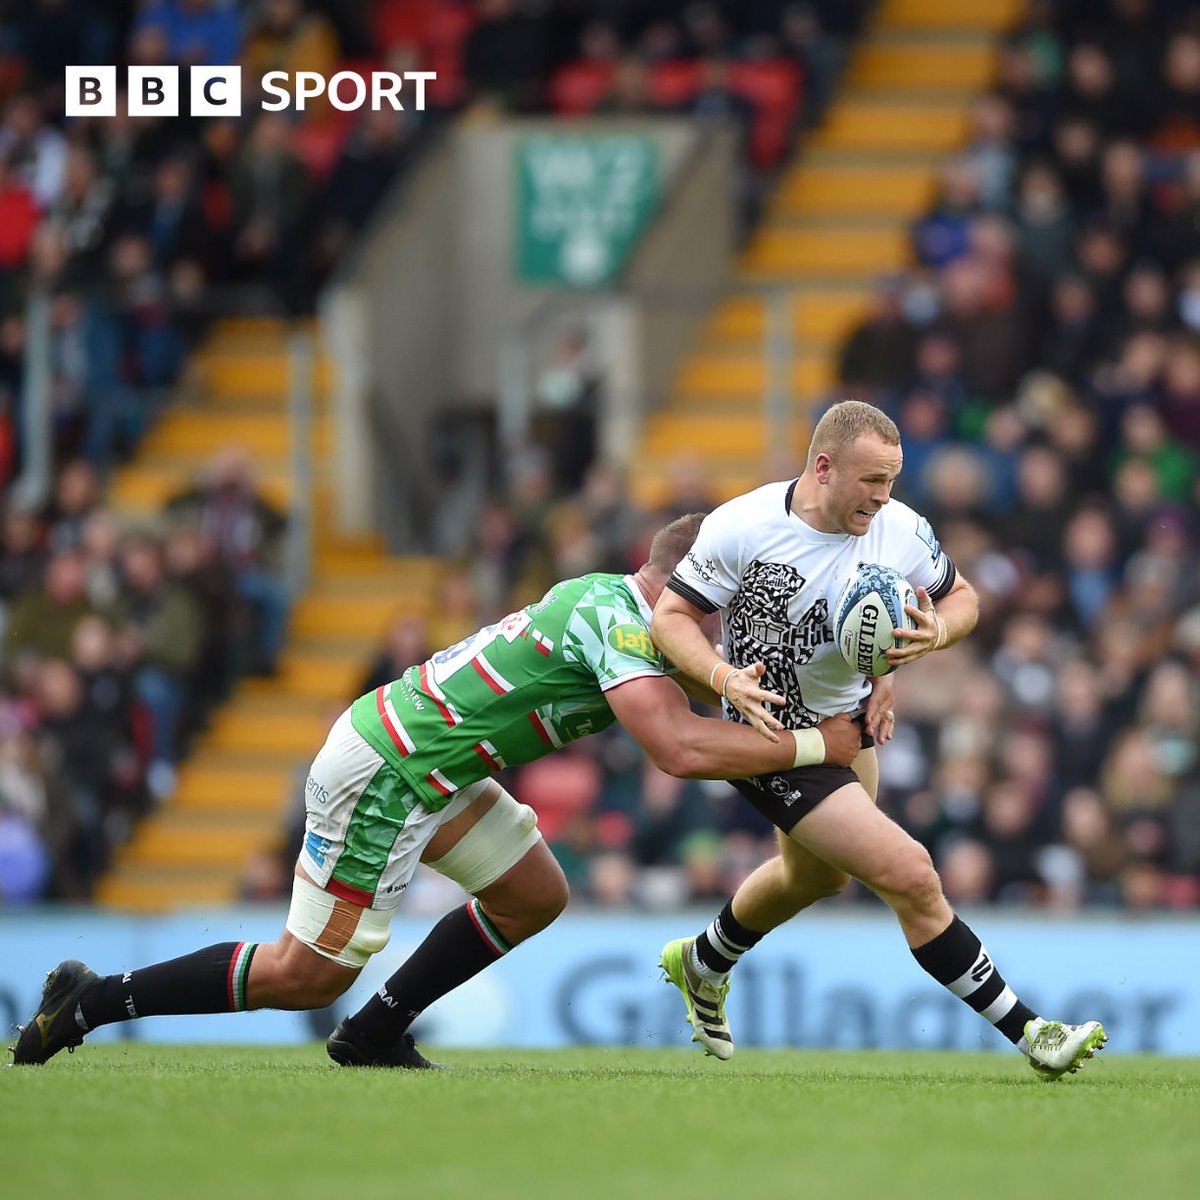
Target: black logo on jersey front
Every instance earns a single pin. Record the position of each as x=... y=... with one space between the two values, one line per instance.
x=761 y=629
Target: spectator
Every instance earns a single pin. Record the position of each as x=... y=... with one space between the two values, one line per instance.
x=1090 y=554
x=247 y=537
x=1038 y=518
x=192 y=562
x=24 y=860
x=35 y=151
x=43 y=618
x=817 y=51
x=880 y=350
x=84 y=211
x=19 y=216
x=940 y=237
x=990 y=152
x=372 y=157
x=1126 y=207
x=268 y=188
x=1177 y=121
x=1181 y=387
x=406 y=643
x=76 y=498
x=506 y=55
x=22 y=555
x=569 y=398
x=195 y=31
x=161 y=632
x=171 y=217
x=628 y=91
x=1045 y=227
x=78 y=758
x=286 y=36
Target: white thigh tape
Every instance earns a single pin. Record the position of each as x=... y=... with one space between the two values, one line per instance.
x=496 y=842
x=312 y=920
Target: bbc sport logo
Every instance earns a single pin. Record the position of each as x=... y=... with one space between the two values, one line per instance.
x=216 y=91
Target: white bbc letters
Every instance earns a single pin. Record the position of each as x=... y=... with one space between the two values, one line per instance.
x=153 y=92
x=216 y=91
x=91 y=92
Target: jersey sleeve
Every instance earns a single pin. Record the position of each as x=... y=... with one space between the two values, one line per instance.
x=609 y=636
x=921 y=558
x=709 y=575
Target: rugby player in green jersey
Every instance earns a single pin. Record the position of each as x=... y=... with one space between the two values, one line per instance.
x=405 y=776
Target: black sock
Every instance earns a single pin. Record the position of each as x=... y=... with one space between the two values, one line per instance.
x=458 y=947
x=725 y=941
x=957 y=960
x=211 y=980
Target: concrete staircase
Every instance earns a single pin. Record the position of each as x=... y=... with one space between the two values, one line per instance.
x=839 y=218
x=246 y=771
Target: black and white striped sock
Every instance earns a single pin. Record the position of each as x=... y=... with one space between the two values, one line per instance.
x=717 y=950
x=958 y=961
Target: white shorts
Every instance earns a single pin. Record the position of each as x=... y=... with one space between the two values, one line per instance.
x=366 y=828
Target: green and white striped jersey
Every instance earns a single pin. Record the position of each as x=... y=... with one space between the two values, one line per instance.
x=515 y=690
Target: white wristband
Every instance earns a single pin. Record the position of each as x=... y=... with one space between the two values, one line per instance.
x=810 y=747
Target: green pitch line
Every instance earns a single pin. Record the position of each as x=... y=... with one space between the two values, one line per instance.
x=186 y=1123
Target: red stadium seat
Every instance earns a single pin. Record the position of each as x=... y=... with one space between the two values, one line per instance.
x=775 y=89
x=396 y=21
x=319 y=142
x=673 y=84
x=445 y=33
x=579 y=86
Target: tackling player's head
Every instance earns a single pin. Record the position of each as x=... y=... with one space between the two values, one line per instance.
x=668 y=547
x=672 y=542
x=855 y=457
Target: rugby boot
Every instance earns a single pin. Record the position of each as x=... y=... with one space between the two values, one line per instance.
x=54 y=1026
x=348 y=1048
x=705 y=1001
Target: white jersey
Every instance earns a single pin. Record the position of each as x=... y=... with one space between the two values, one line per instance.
x=776 y=579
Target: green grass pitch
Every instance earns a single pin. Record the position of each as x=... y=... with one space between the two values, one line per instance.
x=137 y=1120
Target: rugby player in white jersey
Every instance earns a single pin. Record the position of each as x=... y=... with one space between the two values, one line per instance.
x=405 y=776
x=773 y=563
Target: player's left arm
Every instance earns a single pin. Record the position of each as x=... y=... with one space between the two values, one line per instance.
x=937 y=626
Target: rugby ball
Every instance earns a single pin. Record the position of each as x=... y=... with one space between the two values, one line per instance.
x=870 y=607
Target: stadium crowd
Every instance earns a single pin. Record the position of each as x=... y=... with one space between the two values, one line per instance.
x=1042 y=359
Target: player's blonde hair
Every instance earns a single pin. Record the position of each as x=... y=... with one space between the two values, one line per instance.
x=673 y=541
x=846 y=421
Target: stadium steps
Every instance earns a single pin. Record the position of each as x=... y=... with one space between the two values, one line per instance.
x=162 y=888
x=839 y=218
x=940 y=18
x=245 y=771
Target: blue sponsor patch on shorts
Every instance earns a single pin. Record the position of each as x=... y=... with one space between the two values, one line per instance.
x=317 y=847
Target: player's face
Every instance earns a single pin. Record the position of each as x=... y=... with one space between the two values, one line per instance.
x=860 y=477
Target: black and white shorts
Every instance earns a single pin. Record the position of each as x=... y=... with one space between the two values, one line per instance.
x=786 y=797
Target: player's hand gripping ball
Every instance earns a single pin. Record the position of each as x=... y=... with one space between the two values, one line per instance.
x=870 y=607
